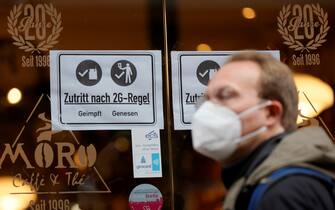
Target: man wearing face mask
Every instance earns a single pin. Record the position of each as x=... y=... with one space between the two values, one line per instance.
x=248 y=123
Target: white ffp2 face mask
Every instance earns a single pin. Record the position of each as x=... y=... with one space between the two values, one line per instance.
x=216 y=130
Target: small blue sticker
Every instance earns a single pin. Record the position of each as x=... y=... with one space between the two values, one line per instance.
x=155 y=162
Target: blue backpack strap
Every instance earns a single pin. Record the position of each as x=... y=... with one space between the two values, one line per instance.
x=280 y=173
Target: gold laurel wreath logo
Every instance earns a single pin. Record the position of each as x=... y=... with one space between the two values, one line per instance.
x=28 y=46
x=295 y=44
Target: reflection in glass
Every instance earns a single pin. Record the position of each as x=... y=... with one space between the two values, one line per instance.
x=248 y=13
x=315 y=95
x=11 y=197
x=14 y=96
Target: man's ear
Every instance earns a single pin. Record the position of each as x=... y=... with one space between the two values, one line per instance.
x=275 y=113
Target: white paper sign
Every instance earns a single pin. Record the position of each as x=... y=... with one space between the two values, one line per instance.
x=191 y=71
x=106 y=90
x=146 y=148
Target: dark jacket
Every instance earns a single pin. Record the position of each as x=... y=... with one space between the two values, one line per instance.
x=307 y=147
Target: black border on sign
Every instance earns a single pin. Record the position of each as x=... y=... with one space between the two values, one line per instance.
x=110 y=54
x=181 y=80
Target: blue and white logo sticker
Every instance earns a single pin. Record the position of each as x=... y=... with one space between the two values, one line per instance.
x=146 y=150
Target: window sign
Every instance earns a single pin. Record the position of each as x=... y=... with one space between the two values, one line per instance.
x=106 y=90
x=191 y=72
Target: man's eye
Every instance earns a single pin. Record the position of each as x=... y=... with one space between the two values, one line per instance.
x=225 y=94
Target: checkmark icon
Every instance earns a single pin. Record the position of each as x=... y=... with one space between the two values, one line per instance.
x=82 y=74
x=120 y=75
x=203 y=74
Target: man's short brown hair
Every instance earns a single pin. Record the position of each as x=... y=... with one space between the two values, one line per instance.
x=276 y=83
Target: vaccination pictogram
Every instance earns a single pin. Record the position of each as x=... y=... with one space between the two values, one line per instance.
x=206 y=71
x=88 y=73
x=123 y=73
